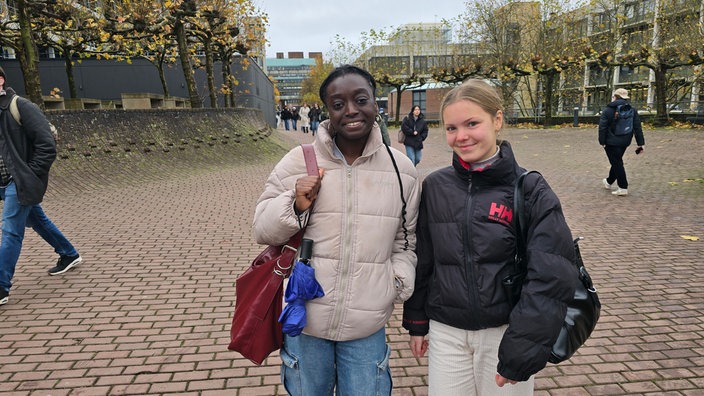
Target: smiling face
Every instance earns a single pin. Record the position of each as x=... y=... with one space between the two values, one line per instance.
x=351 y=105
x=470 y=131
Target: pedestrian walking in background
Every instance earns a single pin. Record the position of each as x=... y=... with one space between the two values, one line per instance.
x=295 y=116
x=478 y=342
x=314 y=115
x=286 y=116
x=416 y=130
x=618 y=123
x=305 y=120
x=27 y=151
x=363 y=227
x=278 y=117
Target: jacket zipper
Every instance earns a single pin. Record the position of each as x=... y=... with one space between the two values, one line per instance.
x=345 y=257
x=470 y=275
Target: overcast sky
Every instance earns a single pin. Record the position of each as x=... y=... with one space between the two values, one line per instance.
x=310 y=25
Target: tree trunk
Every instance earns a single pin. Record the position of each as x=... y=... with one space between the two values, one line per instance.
x=210 y=72
x=162 y=78
x=225 y=72
x=398 y=101
x=28 y=54
x=68 y=66
x=549 y=82
x=661 y=117
x=186 y=65
x=231 y=83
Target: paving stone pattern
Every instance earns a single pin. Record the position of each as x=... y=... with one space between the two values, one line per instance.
x=149 y=309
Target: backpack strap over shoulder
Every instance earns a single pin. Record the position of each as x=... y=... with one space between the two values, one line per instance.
x=521 y=217
x=14 y=110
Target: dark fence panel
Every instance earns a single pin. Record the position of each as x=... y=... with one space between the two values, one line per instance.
x=108 y=79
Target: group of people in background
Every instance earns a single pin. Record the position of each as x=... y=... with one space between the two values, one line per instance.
x=308 y=118
x=289 y=116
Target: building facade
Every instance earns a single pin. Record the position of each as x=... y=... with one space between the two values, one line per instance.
x=633 y=24
x=418 y=49
x=289 y=73
x=415 y=49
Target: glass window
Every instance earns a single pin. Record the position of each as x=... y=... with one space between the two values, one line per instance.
x=419 y=99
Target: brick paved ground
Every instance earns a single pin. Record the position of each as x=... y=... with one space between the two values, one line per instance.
x=148 y=312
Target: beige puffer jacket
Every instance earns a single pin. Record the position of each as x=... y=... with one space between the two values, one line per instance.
x=355 y=224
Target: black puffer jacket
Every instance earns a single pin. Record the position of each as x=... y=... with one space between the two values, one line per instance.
x=465 y=247
x=411 y=124
x=606 y=127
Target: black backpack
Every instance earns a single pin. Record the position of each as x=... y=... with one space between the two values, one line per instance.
x=623 y=120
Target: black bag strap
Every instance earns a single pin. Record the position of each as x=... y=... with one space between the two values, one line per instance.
x=403 y=199
x=521 y=221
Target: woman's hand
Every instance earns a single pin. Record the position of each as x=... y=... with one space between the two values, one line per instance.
x=419 y=346
x=501 y=381
x=307 y=191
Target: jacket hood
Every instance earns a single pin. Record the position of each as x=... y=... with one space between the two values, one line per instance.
x=617 y=102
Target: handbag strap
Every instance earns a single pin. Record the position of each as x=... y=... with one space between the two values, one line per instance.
x=290 y=248
x=521 y=222
x=311 y=161
x=312 y=169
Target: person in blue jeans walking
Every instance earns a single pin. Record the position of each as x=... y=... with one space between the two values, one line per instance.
x=363 y=227
x=27 y=151
x=416 y=130
x=314 y=115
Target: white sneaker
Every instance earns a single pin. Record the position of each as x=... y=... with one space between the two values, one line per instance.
x=620 y=192
x=607 y=186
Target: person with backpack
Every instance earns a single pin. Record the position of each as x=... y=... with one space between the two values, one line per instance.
x=27 y=151
x=618 y=124
x=477 y=341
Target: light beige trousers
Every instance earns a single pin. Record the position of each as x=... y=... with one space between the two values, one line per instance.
x=463 y=363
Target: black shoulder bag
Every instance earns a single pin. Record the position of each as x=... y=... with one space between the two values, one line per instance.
x=584 y=308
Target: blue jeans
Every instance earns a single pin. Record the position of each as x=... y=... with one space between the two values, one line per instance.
x=286 y=124
x=315 y=366
x=413 y=154
x=314 y=126
x=295 y=123
x=15 y=218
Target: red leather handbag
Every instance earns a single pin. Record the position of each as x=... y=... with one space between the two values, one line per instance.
x=256 y=331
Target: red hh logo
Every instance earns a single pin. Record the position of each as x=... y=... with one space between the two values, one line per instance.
x=500 y=213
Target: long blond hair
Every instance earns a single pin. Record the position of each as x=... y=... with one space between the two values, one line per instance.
x=476 y=91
